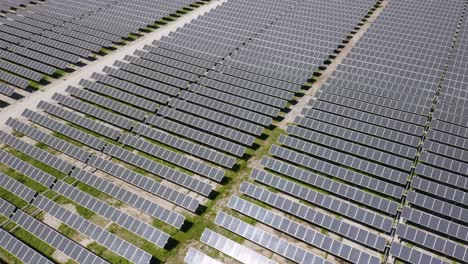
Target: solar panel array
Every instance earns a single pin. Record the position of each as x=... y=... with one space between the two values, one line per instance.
x=53 y=238
x=155 y=104
x=266 y=59
x=20 y=250
x=196 y=257
x=39 y=39
x=232 y=249
x=8 y=5
x=435 y=213
x=372 y=170
x=168 y=99
x=95 y=232
x=355 y=150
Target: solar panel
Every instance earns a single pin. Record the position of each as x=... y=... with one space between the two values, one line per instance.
x=288 y=86
x=451 y=118
x=16 y=32
x=363 y=165
x=21 y=71
x=435 y=223
x=10 y=38
x=226 y=108
x=73 y=41
x=438 y=206
x=172 y=62
x=26 y=169
x=6 y=209
x=345 y=133
x=173 y=157
x=351 y=147
x=161 y=170
x=234 y=100
x=6 y=90
x=240 y=92
x=57 y=58
x=432 y=242
x=119 y=95
x=92 y=32
x=21 y=250
x=233 y=249
x=351 y=153
x=49 y=140
x=412 y=255
x=313 y=216
x=205 y=125
x=17 y=188
x=94 y=111
x=131 y=88
x=443 y=162
x=335 y=187
x=412 y=127
x=183 y=75
x=178 y=56
x=301 y=232
x=269 y=90
x=123 y=219
x=74 y=50
x=35 y=152
x=349 y=210
x=361 y=126
x=441 y=175
x=14 y=80
x=63 y=129
x=194 y=256
x=447 y=139
x=439 y=190
x=196 y=135
x=185 y=145
x=100 y=235
x=83 y=36
x=185 y=50
x=267 y=240
x=79 y=120
x=55 y=239
x=135 y=200
x=448 y=128
x=145 y=82
x=348 y=93
x=145 y=183
x=369 y=107
x=216 y=116
x=338 y=172
x=40 y=67
x=107 y=103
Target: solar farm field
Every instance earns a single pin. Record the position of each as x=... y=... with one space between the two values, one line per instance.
x=234 y=131
x=41 y=41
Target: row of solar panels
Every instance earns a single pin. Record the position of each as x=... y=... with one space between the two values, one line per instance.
x=37 y=40
x=358 y=141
